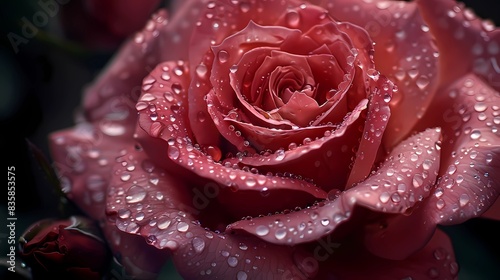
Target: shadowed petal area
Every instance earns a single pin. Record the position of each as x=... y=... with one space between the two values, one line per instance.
x=434 y=261
x=83 y=157
x=120 y=83
x=217 y=256
x=160 y=208
x=116 y=14
x=493 y=212
x=139 y=259
x=404 y=179
x=404 y=53
x=469 y=180
x=471 y=44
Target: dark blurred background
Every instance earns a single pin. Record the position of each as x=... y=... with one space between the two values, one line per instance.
x=41 y=80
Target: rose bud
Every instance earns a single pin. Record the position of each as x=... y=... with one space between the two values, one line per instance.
x=70 y=248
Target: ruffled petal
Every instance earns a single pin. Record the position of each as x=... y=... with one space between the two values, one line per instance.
x=376 y=122
x=404 y=53
x=405 y=179
x=469 y=177
x=470 y=43
x=83 y=157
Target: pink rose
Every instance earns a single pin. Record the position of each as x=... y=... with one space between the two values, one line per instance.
x=291 y=140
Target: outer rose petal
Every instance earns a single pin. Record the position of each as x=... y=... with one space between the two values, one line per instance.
x=83 y=156
x=157 y=206
x=401 y=182
x=120 y=84
x=403 y=52
x=470 y=44
x=470 y=181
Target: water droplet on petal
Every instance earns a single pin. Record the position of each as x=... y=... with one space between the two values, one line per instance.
x=124 y=213
x=214 y=152
x=262 y=230
x=132 y=228
x=422 y=82
x=292 y=18
x=439 y=254
x=182 y=227
x=198 y=244
x=489 y=158
x=201 y=70
x=264 y=192
x=223 y=56
x=384 y=197
x=433 y=273
x=139 y=38
x=480 y=107
x=243 y=247
x=163 y=223
x=173 y=152
x=135 y=194
x=112 y=128
x=251 y=182
x=171 y=244
x=475 y=134
x=453 y=268
x=241 y=275
x=232 y=261
x=374 y=74
x=280 y=233
x=395 y=198
x=464 y=199
x=279 y=154
x=418 y=180
x=141 y=106
x=383 y=5
x=440 y=204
